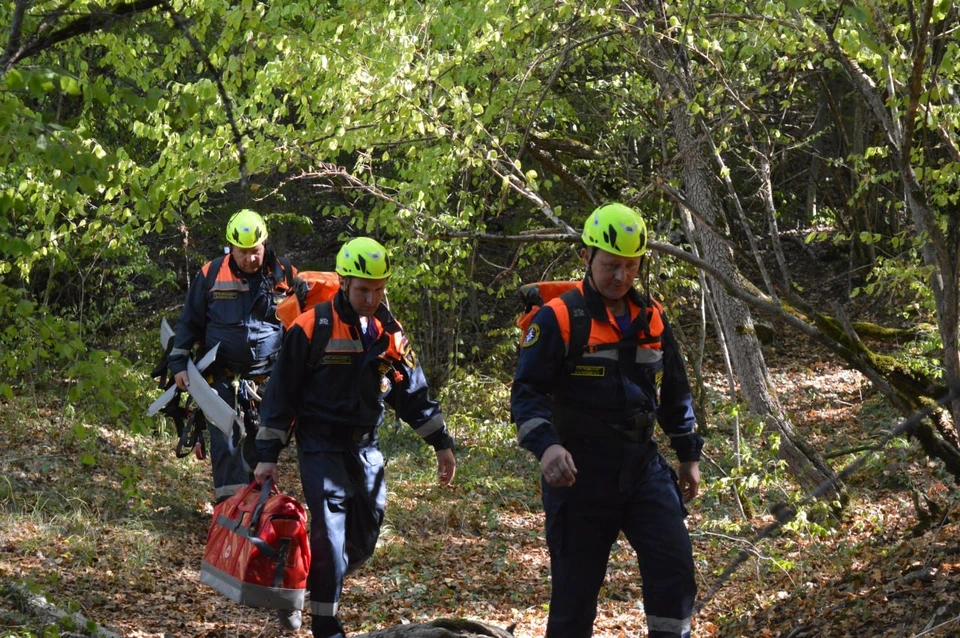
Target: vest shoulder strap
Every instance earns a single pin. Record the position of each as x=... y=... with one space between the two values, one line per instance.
x=211 y=277
x=287 y=272
x=322 y=329
x=579 y=322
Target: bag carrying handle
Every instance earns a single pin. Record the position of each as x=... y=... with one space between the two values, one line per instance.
x=269 y=487
x=279 y=554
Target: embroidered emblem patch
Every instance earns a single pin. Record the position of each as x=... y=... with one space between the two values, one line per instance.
x=384 y=385
x=336 y=360
x=533 y=334
x=407 y=354
x=219 y=295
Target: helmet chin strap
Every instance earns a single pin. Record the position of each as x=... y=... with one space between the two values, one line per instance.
x=593 y=282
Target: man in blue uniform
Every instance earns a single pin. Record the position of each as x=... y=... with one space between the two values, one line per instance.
x=232 y=302
x=339 y=363
x=598 y=367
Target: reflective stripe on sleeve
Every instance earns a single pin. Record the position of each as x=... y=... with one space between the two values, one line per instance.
x=270 y=434
x=525 y=428
x=431 y=426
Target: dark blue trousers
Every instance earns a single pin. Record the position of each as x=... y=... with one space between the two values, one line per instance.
x=346 y=493
x=618 y=488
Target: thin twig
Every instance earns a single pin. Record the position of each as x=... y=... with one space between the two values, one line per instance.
x=181 y=22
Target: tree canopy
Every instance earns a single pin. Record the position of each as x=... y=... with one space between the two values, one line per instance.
x=477 y=138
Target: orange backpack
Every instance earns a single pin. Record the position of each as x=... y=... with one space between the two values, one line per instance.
x=323 y=287
x=535 y=295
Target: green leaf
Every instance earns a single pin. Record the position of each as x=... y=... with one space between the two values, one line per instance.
x=69 y=85
x=88 y=459
x=858 y=14
x=15 y=80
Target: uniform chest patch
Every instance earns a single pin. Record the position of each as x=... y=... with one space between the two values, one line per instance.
x=589 y=371
x=336 y=359
x=533 y=334
x=225 y=295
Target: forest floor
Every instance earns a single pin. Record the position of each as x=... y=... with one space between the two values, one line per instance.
x=110 y=525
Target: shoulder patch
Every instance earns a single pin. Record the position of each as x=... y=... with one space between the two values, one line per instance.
x=533 y=334
x=407 y=354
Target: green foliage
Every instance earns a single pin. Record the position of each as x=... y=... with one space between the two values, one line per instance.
x=756 y=477
x=41 y=349
x=905 y=284
x=34 y=341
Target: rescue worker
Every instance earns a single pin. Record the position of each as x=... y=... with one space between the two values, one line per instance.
x=339 y=363
x=233 y=301
x=597 y=367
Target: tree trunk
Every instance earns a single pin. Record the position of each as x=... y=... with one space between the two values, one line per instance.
x=668 y=66
x=941 y=249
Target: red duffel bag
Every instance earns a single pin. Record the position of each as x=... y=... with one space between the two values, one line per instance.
x=258 y=550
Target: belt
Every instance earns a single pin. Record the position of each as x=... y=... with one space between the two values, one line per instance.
x=242 y=370
x=346 y=434
x=256 y=378
x=571 y=423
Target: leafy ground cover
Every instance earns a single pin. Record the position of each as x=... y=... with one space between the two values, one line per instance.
x=111 y=525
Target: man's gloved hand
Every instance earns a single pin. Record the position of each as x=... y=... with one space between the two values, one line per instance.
x=300 y=288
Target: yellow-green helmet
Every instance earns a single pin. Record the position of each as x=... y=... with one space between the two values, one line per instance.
x=616 y=229
x=246 y=229
x=363 y=257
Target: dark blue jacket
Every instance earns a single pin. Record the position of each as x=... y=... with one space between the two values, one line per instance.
x=348 y=387
x=604 y=385
x=239 y=312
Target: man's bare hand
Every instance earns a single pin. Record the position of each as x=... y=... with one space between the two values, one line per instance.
x=265 y=471
x=689 y=480
x=446 y=466
x=558 y=468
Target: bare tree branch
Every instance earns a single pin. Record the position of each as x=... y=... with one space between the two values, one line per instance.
x=567 y=146
x=90 y=23
x=559 y=169
x=16 y=31
x=339 y=178
x=916 y=79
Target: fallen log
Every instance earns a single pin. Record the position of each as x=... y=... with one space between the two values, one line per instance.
x=49 y=614
x=443 y=628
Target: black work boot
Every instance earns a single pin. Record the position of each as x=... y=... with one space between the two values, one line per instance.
x=327 y=627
